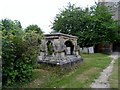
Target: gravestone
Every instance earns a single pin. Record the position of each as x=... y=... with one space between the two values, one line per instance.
x=91 y=50
x=85 y=50
x=80 y=49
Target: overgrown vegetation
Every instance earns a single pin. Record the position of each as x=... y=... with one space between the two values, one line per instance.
x=19 y=52
x=79 y=76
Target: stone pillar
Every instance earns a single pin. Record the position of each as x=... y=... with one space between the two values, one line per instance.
x=62 y=47
x=42 y=50
x=62 y=54
x=75 y=47
x=57 y=49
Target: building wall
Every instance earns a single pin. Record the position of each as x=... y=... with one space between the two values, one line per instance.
x=114 y=8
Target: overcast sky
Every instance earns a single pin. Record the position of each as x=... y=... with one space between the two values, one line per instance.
x=40 y=12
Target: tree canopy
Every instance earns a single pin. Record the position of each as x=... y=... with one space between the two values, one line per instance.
x=34 y=28
x=92 y=25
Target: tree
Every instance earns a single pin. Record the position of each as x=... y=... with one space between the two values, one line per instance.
x=11 y=39
x=104 y=26
x=92 y=25
x=19 y=52
x=68 y=19
x=34 y=28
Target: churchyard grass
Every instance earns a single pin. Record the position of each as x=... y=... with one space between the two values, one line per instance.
x=113 y=80
x=79 y=76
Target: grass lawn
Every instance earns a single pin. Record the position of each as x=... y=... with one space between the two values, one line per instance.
x=80 y=76
x=113 y=80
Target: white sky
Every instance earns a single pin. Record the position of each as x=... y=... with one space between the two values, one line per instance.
x=40 y=12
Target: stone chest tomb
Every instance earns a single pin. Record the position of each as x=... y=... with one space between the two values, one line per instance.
x=59 y=49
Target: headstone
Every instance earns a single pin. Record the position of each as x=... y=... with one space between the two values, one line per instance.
x=85 y=50
x=80 y=49
x=91 y=50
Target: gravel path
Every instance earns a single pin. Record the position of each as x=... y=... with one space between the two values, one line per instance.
x=102 y=81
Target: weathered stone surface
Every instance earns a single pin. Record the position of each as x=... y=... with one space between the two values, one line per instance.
x=64 y=49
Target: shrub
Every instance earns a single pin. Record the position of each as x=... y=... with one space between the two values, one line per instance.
x=19 y=52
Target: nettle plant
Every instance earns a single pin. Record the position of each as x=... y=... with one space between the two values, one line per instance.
x=19 y=52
